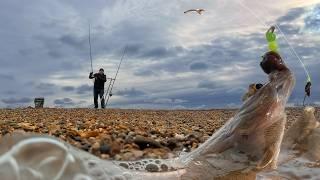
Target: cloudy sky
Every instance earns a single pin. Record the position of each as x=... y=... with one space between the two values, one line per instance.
x=174 y=60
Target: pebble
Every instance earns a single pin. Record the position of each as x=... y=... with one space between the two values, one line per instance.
x=92 y=140
x=195 y=128
x=77 y=144
x=152 y=168
x=62 y=137
x=164 y=167
x=105 y=149
x=105 y=156
x=179 y=137
x=144 y=142
x=86 y=147
x=122 y=135
x=128 y=156
x=76 y=138
x=172 y=143
x=117 y=157
x=154 y=136
x=137 y=154
x=131 y=133
x=96 y=146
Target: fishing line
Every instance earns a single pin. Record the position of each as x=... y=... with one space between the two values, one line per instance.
x=295 y=53
x=284 y=36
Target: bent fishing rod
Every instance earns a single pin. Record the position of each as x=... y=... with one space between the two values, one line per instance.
x=112 y=81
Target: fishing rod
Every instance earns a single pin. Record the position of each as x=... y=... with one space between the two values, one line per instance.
x=112 y=81
x=90 y=47
x=308 y=84
x=107 y=91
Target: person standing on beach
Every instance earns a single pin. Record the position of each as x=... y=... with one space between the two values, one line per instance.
x=98 y=89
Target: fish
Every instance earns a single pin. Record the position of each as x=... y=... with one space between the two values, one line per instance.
x=246 y=144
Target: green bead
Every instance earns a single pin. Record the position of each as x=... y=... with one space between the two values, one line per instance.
x=271 y=36
x=273 y=46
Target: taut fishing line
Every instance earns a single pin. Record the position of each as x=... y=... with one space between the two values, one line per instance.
x=308 y=85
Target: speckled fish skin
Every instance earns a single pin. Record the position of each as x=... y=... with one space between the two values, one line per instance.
x=300 y=150
x=248 y=143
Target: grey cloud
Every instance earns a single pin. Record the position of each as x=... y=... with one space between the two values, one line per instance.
x=143 y=72
x=218 y=99
x=66 y=47
x=55 y=54
x=159 y=52
x=50 y=43
x=133 y=49
x=70 y=65
x=83 y=89
x=198 y=66
x=215 y=55
x=68 y=88
x=47 y=93
x=68 y=77
x=289 y=29
x=45 y=86
x=166 y=101
x=10 y=92
x=64 y=101
x=207 y=84
x=25 y=52
x=6 y=77
x=199 y=99
x=292 y=15
x=130 y=92
x=73 y=41
x=82 y=102
x=17 y=100
x=312 y=20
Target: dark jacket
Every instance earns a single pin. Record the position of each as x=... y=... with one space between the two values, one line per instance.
x=99 y=81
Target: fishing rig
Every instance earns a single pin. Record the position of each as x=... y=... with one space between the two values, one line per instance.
x=108 y=92
x=307 y=88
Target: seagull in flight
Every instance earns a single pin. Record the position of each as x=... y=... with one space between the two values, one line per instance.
x=199 y=11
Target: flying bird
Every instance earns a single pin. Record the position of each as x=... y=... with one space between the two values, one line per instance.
x=199 y=11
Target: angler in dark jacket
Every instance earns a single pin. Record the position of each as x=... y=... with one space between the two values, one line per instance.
x=98 y=89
